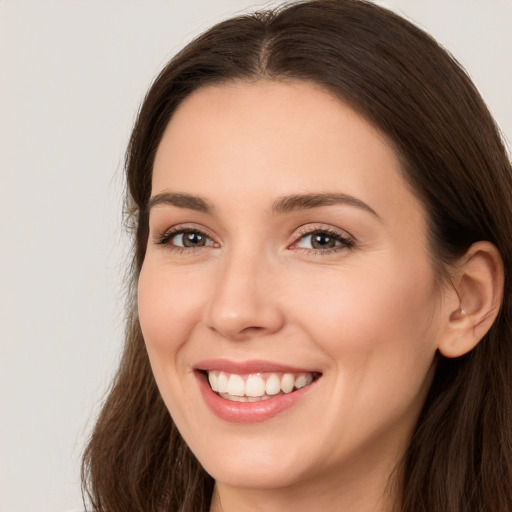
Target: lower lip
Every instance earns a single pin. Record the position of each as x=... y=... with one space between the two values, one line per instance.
x=249 y=412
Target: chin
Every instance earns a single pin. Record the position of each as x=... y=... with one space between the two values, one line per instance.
x=258 y=474
x=250 y=462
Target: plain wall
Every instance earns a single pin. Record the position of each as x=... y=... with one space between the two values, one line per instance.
x=72 y=75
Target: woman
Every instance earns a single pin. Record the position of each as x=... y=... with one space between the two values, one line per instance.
x=321 y=301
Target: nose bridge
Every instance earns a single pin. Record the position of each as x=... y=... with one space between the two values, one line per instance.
x=242 y=303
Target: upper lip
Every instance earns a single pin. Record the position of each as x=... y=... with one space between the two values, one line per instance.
x=250 y=366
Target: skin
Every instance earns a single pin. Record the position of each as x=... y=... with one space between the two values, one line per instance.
x=369 y=316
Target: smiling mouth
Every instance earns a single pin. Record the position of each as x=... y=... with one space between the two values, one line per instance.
x=255 y=387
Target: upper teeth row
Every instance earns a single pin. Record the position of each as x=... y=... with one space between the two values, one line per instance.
x=256 y=384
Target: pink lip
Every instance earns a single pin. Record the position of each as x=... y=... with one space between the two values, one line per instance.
x=248 y=412
x=245 y=367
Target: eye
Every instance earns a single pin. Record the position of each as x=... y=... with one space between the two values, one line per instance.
x=189 y=239
x=185 y=238
x=323 y=240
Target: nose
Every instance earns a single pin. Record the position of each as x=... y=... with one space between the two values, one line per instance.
x=244 y=302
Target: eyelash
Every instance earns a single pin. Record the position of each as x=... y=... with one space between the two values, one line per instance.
x=345 y=241
x=166 y=236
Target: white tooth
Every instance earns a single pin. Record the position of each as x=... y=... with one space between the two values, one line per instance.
x=236 y=385
x=236 y=398
x=231 y=398
x=257 y=398
x=255 y=386
x=222 y=383
x=287 y=382
x=273 y=385
x=212 y=379
x=301 y=381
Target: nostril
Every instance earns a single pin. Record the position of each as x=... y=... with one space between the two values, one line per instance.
x=252 y=329
x=237 y=333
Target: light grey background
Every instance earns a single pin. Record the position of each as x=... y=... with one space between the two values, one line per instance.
x=72 y=74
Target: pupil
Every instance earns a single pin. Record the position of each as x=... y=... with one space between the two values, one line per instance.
x=193 y=240
x=320 y=241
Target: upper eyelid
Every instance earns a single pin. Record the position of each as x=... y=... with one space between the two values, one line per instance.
x=186 y=226
x=308 y=229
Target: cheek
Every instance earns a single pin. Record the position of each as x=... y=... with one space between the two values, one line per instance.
x=355 y=301
x=380 y=335
x=378 y=327
x=167 y=309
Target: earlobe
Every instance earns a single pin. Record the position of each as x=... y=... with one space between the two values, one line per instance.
x=479 y=288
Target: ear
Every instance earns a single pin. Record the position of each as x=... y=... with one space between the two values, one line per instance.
x=478 y=289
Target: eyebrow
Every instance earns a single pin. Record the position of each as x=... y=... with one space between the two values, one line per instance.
x=295 y=202
x=181 y=201
x=281 y=205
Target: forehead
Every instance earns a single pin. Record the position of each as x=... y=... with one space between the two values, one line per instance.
x=260 y=140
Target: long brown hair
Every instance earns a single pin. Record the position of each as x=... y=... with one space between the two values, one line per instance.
x=399 y=78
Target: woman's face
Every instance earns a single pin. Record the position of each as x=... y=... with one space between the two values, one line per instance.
x=286 y=251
